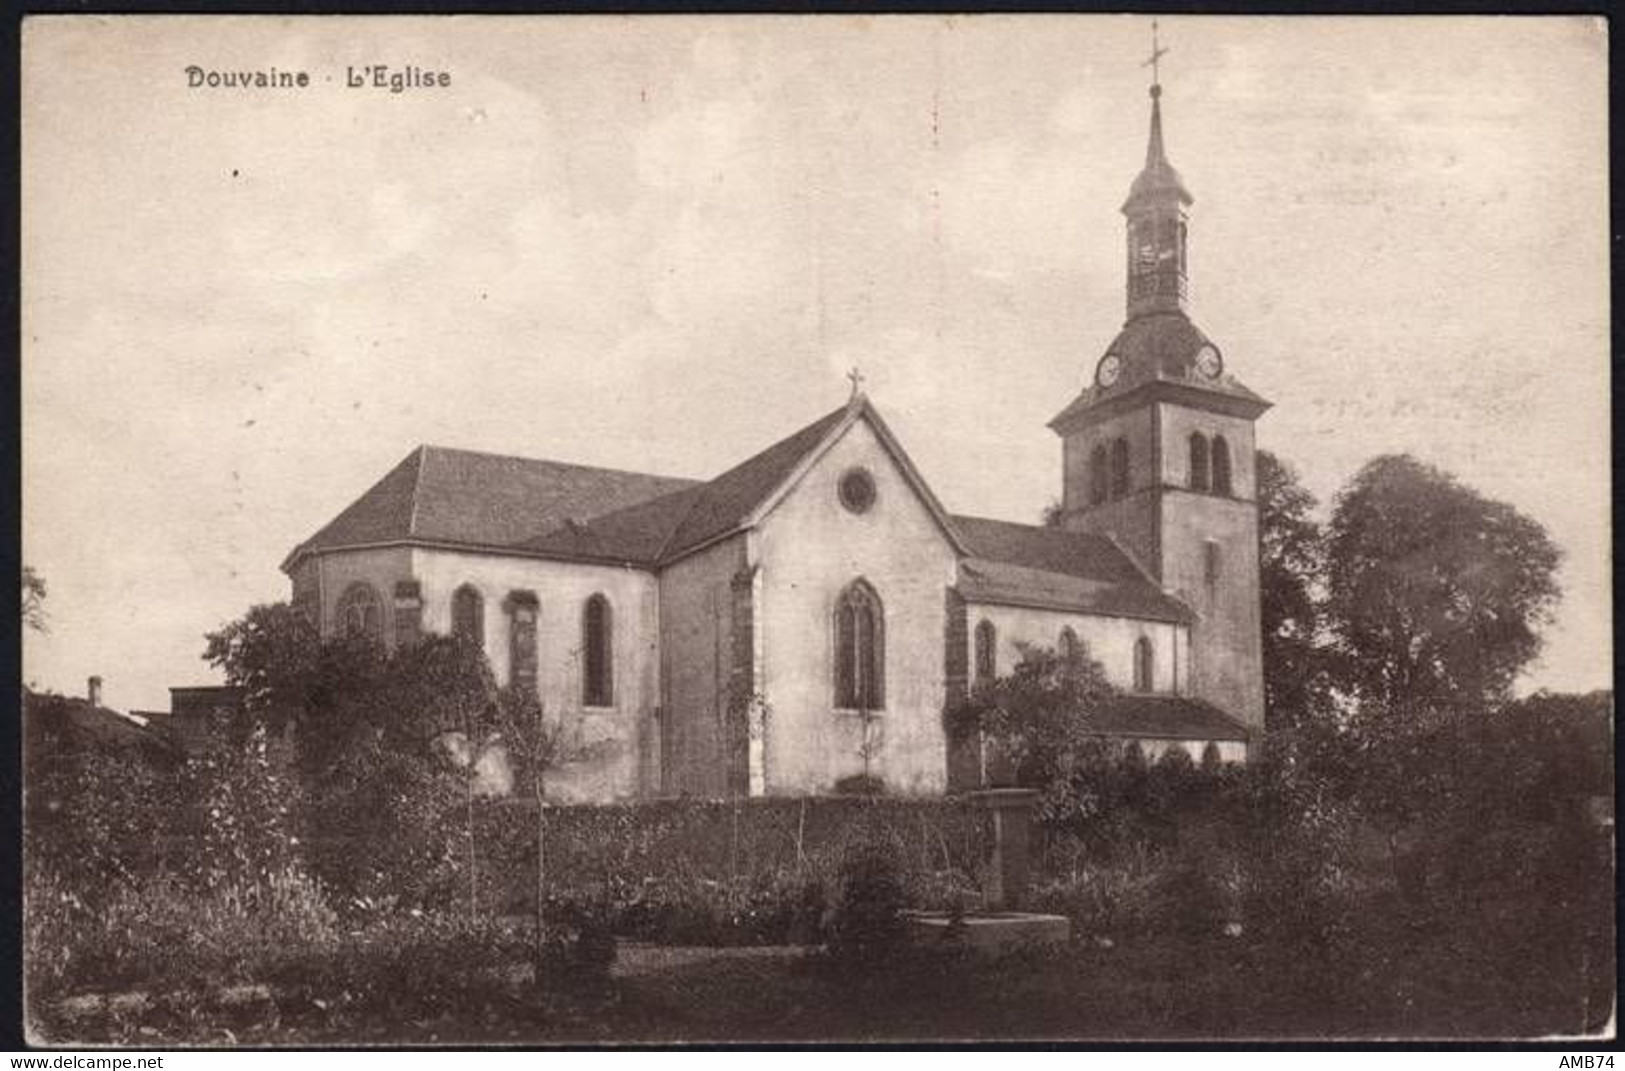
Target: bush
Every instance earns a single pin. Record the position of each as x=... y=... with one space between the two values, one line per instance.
x=241 y=815
x=164 y=932
x=96 y=809
x=867 y=922
x=861 y=784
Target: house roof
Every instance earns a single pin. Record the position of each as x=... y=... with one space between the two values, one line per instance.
x=1165 y=717
x=1053 y=568
x=87 y=726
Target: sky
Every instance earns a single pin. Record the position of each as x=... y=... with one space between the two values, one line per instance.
x=660 y=243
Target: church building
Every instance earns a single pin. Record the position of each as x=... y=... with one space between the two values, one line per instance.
x=807 y=615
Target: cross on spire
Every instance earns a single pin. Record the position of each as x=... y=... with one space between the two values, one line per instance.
x=857 y=380
x=1154 y=62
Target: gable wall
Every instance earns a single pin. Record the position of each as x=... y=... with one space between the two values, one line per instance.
x=809 y=549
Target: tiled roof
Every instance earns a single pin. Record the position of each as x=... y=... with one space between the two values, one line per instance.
x=727 y=500
x=487 y=500
x=635 y=535
x=1167 y=717
x=656 y=530
x=1054 y=568
x=547 y=507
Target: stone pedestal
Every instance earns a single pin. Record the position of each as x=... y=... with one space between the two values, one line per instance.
x=1005 y=872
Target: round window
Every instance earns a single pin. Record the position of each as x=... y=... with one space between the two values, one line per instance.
x=857 y=490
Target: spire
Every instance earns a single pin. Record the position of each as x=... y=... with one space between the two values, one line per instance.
x=1156 y=216
x=1159 y=175
x=1155 y=155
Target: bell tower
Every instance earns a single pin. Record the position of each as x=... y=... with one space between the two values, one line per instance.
x=1156 y=211
x=1157 y=448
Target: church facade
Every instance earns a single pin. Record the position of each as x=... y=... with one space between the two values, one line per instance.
x=808 y=615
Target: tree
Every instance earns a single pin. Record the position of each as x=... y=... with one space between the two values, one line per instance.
x=273 y=653
x=34 y=600
x=1291 y=560
x=371 y=736
x=1436 y=594
x=1037 y=718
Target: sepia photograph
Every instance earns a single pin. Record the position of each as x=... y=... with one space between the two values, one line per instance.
x=760 y=529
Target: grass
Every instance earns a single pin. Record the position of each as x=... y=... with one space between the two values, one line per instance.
x=1149 y=987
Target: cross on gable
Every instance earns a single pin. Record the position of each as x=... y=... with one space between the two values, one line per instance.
x=857 y=380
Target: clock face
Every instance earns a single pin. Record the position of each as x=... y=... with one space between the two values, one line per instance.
x=1111 y=366
x=1208 y=362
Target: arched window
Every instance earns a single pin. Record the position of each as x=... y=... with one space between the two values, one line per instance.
x=468 y=615
x=523 y=609
x=1119 y=468
x=1068 y=646
x=1199 y=461
x=987 y=652
x=1099 y=476
x=361 y=612
x=598 y=653
x=1221 y=466
x=1142 y=664
x=860 y=649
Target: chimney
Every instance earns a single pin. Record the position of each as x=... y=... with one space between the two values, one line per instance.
x=95 y=691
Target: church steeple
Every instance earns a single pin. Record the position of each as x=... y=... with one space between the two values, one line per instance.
x=1157 y=268
x=1157 y=448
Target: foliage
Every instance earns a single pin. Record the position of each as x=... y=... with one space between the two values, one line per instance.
x=33 y=600
x=1435 y=593
x=861 y=784
x=1036 y=719
x=372 y=736
x=241 y=820
x=163 y=929
x=274 y=654
x=1291 y=565
x=92 y=806
x=867 y=923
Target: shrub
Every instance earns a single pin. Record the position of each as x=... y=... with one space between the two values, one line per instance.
x=166 y=932
x=860 y=784
x=867 y=922
x=95 y=808
x=241 y=815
